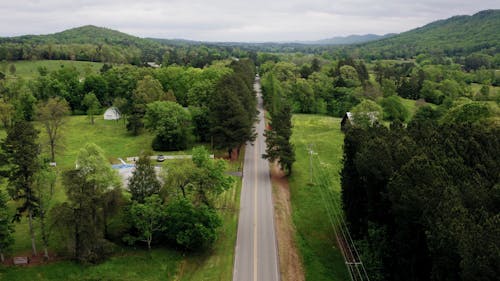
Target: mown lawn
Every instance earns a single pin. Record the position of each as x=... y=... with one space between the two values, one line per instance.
x=29 y=69
x=315 y=239
x=111 y=136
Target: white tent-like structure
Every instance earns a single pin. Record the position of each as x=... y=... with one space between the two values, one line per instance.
x=112 y=113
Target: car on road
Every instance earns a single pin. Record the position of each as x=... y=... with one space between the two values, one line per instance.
x=160 y=158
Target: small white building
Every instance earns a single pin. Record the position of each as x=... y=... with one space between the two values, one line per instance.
x=112 y=113
x=153 y=64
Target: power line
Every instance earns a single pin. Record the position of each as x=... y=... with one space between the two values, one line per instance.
x=352 y=259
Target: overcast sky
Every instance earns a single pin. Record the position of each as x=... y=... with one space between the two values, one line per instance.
x=232 y=20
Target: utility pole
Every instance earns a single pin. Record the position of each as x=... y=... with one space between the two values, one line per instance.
x=311 y=153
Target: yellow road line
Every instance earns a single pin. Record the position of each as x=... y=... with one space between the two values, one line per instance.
x=255 y=214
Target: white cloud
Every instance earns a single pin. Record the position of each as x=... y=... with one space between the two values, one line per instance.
x=231 y=20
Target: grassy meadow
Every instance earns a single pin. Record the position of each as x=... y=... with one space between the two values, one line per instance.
x=315 y=239
x=111 y=136
x=29 y=69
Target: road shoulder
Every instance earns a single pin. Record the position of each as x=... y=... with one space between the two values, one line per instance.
x=291 y=267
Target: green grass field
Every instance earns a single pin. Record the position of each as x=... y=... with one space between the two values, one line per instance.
x=315 y=239
x=494 y=90
x=29 y=69
x=410 y=105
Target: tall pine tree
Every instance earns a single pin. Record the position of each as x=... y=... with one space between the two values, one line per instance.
x=143 y=182
x=22 y=151
x=6 y=227
x=278 y=142
x=231 y=122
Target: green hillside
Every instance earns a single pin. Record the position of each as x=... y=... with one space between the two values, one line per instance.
x=454 y=37
x=86 y=43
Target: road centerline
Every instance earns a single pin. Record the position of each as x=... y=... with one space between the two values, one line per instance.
x=255 y=216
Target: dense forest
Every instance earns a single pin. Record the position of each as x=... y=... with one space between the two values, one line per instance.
x=423 y=200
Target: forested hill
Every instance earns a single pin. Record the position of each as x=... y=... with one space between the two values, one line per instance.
x=456 y=36
x=88 y=34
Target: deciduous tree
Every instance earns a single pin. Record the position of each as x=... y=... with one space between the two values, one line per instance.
x=148 y=218
x=201 y=180
x=171 y=123
x=52 y=114
x=394 y=110
x=189 y=226
x=80 y=220
x=92 y=104
x=45 y=181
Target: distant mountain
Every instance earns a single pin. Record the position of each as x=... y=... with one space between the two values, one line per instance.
x=456 y=36
x=347 y=40
x=340 y=40
x=177 y=42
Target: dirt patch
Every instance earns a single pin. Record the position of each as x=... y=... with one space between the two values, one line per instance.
x=290 y=262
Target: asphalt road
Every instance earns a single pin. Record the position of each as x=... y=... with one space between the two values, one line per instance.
x=256 y=257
